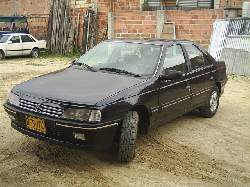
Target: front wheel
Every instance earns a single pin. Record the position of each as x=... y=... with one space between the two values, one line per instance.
x=35 y=53
x=128 y=137
x=210 y=109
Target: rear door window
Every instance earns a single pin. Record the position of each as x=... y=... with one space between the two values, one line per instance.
x=26 y=38
x=196 y=57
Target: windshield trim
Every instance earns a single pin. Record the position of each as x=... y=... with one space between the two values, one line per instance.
x=159 y=62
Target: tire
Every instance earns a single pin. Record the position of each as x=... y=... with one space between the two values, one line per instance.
x=210 y=109
x=34 y=53
x=128 y=136
x=2 y=55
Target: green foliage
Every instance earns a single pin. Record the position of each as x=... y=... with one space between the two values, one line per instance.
x=75 y=54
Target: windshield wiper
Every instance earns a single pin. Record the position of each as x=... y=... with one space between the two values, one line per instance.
x=120 y=71
x=86 y=65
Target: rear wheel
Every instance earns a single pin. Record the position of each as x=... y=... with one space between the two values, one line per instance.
x=128 y=136
x=1 y=55
x=210 y=109
x=35 y=53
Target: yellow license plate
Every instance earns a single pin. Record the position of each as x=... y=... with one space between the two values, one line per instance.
x=35 y=124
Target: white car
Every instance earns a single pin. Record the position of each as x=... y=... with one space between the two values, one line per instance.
x=17 y=44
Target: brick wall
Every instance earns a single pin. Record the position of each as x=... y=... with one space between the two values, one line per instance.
x=231 y=3
x=117 y=5
x=36 y=10
x=23 y=7
x=129 y=21
x=126 y=5
x=28 y=7
x=78 y=4
x=5 y=7
x=135 y=24
x=38 y=26
x=194 y=25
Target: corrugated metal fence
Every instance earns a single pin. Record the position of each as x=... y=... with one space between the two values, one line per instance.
x=230 y=42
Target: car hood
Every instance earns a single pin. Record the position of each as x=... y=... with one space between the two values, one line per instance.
x=78 y=86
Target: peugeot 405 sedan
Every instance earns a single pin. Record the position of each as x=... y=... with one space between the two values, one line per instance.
x=19 y=44
x=114 y=91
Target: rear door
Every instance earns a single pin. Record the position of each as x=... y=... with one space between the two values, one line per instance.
x=201 y=74
x=15 y=47
x=28 y=44
x=174 y=95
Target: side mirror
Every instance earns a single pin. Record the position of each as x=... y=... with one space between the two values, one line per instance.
x=9 y=42
x=171 y=75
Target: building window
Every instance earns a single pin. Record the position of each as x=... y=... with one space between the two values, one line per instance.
x=175 y=4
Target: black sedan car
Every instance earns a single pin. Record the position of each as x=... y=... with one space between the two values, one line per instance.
x=116 y=89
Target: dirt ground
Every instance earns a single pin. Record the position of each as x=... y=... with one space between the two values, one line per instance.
x=190 y=151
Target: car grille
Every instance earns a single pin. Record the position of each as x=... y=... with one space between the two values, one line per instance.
x=44 y=109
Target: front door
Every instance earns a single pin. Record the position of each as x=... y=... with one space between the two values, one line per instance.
x=15 y=47
x=174 y=95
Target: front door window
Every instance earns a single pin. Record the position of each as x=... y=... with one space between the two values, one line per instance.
x=175 y=59
x=15 y=39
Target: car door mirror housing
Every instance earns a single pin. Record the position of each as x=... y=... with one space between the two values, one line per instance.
x=171 y=75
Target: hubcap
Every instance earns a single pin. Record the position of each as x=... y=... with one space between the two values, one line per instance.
x=35 y=54
x=213 y=101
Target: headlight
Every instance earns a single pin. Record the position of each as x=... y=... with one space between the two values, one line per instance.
x=13 y=99
x=82 y=114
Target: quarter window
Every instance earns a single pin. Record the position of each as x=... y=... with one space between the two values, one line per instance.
x=15 y=39
x=175 y=59
x=195 y=56
x=26 y=38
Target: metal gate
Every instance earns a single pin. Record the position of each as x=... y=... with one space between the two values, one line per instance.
x=230 y=42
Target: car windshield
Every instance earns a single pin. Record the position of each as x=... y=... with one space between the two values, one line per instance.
x=123 y=57
x=4 y=38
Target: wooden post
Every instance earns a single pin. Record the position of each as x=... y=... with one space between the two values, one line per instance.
x=160 y=22
x=110 y=25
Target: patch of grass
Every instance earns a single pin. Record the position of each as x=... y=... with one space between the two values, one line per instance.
x=75 y=54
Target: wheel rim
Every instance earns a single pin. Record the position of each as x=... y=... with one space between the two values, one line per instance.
x=135 y=118
x=35 y=54
x=214 y=101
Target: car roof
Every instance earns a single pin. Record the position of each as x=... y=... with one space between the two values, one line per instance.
x=15 y=34
x=151 y=41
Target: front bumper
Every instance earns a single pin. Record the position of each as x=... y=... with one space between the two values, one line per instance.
x=100 y=136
